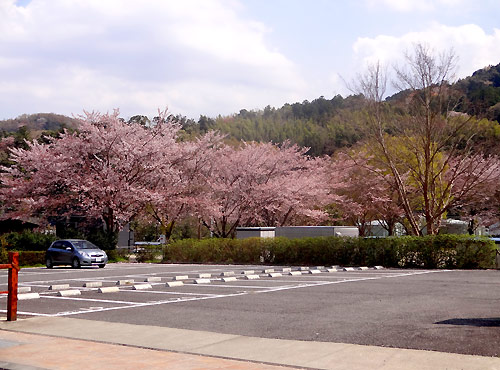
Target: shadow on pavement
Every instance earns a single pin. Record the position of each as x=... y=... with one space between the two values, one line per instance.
x=485 y=322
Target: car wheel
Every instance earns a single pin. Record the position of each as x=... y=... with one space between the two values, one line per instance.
x=76 y=263
x=49 y=263
x=101 y=266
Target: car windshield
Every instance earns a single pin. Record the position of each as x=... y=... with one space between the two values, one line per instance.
x=83 y=244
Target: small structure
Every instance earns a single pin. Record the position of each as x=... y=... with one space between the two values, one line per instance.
x=253 y=232
x=293 y=232
x=126 y=238
x=378 y=229
x=494 y=229
x=452 y=226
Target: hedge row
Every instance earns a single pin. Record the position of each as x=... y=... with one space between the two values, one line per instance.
x=440 y=251
x=433 y=251
x=26 y=258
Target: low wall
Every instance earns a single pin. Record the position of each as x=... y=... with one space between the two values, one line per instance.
x=255 y=232
x=293 y=232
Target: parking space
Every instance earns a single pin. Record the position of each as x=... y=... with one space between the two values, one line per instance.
x=450 y=311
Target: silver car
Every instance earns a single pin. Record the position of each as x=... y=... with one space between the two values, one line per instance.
x=75 y=252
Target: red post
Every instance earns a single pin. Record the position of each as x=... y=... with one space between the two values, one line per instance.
x=13 y=279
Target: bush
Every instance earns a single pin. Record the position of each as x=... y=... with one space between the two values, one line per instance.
x=26 y=258
x=31 y=258
x=28 y=241
x=118 y=255
x=149 y=253
x=214 y=250
x=433 y=251
x=4 y=255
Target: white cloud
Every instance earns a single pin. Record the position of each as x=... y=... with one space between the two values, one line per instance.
x=406 y=6
x=196 y=56
x=473 y=46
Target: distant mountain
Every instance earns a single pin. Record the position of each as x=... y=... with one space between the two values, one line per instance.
x=37 y=122
x=482 y=91
x=325 y=125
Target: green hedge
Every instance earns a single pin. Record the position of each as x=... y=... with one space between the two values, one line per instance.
x=150 y=253
x=31 y=258
x=117 y=255
x=26 y=258
x=439 y=251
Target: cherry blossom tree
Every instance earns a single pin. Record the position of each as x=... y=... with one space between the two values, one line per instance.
x=115 y=170
x=263 y=184
x=476 y=191
x=179 y=188
x=364 y=194
x=106 y=169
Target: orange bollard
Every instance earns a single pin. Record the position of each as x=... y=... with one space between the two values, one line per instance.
x=12 y=292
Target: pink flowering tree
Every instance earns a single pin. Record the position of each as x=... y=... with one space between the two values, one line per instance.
x=466 y=183
x=179 y=188
x=476 y=195
x=364 y=194
x=263 y=184
x=106 y=169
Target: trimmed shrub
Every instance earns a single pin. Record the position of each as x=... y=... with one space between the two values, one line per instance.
x=31 y=258
x=118 y=255
x=149 y=253
x=433 y=251
x=4 y=255
x=26 y=258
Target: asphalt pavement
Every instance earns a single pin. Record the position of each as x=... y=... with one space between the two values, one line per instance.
x=430 y=311
x=68 y=343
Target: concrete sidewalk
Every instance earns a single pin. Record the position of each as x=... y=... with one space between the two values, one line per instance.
x=67 y=343
x=36 y=352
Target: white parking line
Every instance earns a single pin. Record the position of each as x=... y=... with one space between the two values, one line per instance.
x=148 y=304
x=230 y=286
x=89 y=300
x=29 y=313
x=350 y=281
x=166 y=292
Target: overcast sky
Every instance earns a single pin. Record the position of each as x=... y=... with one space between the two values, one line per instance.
x=218 y=56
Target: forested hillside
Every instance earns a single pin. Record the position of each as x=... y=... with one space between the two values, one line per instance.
x=322 y=124
x=325 y=125
x=482 y=91
x=37 y=122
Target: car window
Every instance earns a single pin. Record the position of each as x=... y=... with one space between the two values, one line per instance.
x=57 y=245
x=66 y=245
x=84 y=244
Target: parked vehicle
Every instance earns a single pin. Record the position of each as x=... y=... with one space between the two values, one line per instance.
x=75 y=252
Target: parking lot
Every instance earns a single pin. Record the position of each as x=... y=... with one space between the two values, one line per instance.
x=441 y=310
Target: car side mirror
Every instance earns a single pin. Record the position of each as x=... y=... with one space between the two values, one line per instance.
x=68 y=249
